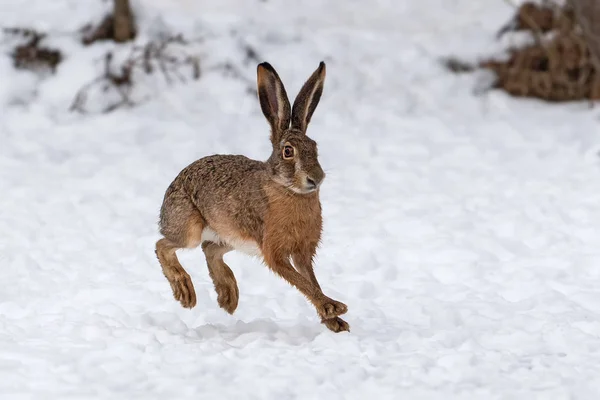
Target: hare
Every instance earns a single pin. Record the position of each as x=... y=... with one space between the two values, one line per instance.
x=270 y=209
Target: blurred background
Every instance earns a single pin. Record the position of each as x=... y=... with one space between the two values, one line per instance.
x=460 y=140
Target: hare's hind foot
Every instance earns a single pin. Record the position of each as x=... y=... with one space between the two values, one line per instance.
x=183 y=290
x=180 y=280
x=336 y=325
x=227 y=297
x=223 y=278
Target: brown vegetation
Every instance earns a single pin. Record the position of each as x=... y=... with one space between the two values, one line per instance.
x=561 y=64
x=32 y=55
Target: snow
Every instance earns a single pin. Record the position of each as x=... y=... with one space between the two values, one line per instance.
x=459 y=228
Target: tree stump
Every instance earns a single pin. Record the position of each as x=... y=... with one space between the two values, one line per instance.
x=124 y=29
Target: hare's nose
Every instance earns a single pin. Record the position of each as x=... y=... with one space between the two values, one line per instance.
x=311 y=183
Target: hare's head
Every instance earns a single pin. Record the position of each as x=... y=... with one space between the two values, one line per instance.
x=294 y=161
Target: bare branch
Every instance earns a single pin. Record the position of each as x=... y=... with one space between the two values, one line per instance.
x=147 y=59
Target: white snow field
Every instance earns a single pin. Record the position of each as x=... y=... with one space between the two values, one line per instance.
x=460 y=228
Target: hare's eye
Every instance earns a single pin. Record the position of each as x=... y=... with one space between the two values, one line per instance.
x=288 y=152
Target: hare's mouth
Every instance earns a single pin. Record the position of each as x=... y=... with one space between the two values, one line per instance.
x=311 y=190
x=306 y=188
x=303 y=190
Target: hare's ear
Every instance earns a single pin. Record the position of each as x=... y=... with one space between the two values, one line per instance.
x=273 y=100
x=308 y=98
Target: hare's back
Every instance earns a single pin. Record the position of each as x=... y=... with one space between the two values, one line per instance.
x=224 y=172
x=228 y=190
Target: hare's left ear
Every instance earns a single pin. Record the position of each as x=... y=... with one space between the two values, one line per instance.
x=273 y=100
x=308 y=98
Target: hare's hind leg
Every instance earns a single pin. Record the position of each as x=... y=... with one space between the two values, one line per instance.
x=181 y=225
x=180 y=280
x=225 y=284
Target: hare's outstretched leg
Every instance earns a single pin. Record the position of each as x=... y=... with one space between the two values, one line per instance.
x=181 y=225
x=222 y=276
x=326 y=308
x=304 y=265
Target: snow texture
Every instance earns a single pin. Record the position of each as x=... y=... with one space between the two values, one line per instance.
x=460 y=228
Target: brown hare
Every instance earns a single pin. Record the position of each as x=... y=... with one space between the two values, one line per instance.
x=270 y=209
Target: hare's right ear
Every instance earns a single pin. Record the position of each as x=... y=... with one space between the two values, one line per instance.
x=273 y=100
x=308 y=99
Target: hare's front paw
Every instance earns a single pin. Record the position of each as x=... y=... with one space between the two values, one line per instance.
x=183 y=290
x=227 y=296
x=329 y=308
x=336 y=324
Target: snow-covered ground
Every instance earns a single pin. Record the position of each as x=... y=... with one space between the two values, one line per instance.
x=461 y=230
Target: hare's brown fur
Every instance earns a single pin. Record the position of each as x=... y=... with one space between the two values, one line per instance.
x=270 y=209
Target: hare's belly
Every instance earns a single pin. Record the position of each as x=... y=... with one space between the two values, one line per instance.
x=249 y=247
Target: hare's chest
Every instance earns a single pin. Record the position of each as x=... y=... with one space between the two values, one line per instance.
x=294 y=224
